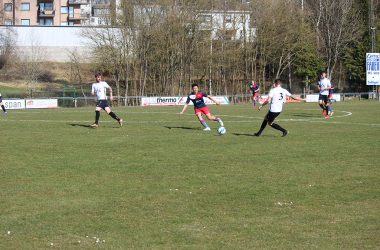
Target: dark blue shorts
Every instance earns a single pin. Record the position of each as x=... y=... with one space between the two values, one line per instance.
x=271 y=116
x=102 y=104
x=324 y=98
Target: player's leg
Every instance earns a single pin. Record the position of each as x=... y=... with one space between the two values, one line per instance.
x=263 y=125
x=202 y=121
x=3 y=108
x=254 y=98
x=271 y=123
x=327 y=105
x=97 y=116
x=321 y=104
x=113 y=115
x=214 y=118
x=330 y=111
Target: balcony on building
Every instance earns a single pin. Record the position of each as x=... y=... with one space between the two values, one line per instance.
x=46 y=13
x=101 y=3
x=78 y=2
x=78 y=17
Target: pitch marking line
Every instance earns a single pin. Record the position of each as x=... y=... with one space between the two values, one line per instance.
x=312 y=120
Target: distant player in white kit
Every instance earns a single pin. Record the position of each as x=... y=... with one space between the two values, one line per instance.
x=276 y=99
x=2 y=105
x=99 y=88
x=324 y=86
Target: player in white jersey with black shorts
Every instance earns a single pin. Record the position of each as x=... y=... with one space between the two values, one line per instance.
x=99 y=88
x=324 y=86
x=277 y=98
x=2 y=105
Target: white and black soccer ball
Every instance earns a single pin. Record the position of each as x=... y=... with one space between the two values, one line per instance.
x=222 y=130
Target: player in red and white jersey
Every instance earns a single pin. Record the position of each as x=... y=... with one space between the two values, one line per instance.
x=276 y=99
x=196 y=97
x=255 y=88
x=99 y=88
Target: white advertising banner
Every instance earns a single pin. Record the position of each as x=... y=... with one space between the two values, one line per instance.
x=159 y=101
x=41 y=103
x=314 y=98
x=373 y=68
x=14 y=104
x=171 y=101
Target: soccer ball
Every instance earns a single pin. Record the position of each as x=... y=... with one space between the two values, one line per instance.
x=222 y=130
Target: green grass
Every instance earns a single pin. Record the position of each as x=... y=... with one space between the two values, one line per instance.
x=160 y=182
x=6 y=90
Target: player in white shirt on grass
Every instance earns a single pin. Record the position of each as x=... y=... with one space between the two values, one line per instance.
x=324 y=86
x=2 y=105
x=276 y=99
x=99 y=88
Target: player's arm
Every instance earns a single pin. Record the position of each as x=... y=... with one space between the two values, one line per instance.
x=92 y=90
x=186 y=104
x=110 y=90
x=111 y=96
x=258 y=88
x=184 y=108
x=213 y=99
x=297 y=98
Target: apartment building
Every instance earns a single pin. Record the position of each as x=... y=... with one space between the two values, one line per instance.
x=229 y=24
x=56 y=12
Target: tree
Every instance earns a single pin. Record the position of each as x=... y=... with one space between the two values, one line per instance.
x=111 y=47
x=30 y=63
x=337 y=23
x=7 y=48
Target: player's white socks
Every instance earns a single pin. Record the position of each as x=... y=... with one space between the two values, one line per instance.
x=220 y=121
x=203 y=122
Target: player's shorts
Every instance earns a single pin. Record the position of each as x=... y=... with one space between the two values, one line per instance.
x=324 y=98
x=203 y=110
x=255 y=94
x=102 y=104
x=271 y=116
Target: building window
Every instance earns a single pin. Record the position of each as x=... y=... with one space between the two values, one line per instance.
x=101 y=12
x=46 y=21
x=228 y=19
x=64 y=10
x=8 y=22
x=71 y=11
x=8 y=7
x=25 y=6
x=25 y=22
x=46 y=6
x=206 y=18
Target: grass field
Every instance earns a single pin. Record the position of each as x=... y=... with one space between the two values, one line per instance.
x=160 y=182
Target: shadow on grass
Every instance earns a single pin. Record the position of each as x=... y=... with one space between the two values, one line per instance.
x=80 y=125
x=245 y=134
x=181 y=127
x=239 y=134
x=304 y=115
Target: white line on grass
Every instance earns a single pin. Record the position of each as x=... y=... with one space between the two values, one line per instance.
x=312 y=120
